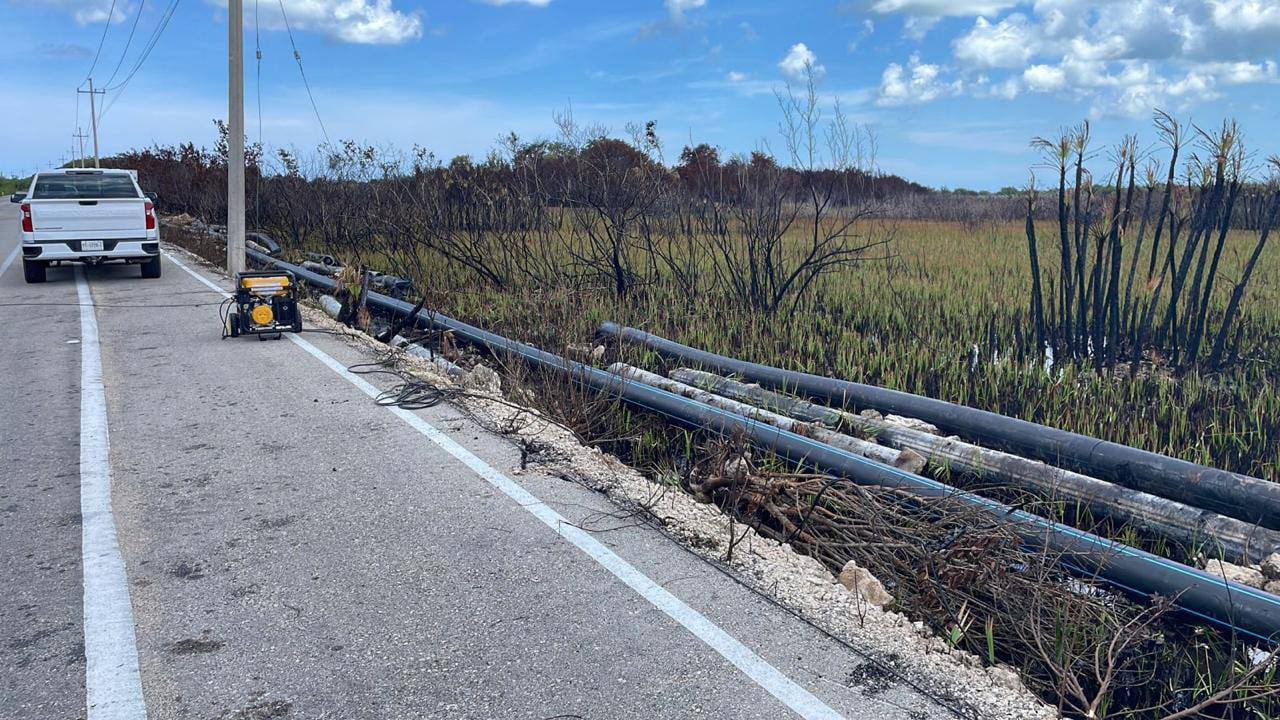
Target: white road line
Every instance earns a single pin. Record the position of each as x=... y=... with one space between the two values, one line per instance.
x=113 y=685
x=9 y=260
x=795 y=697
x=207 y=282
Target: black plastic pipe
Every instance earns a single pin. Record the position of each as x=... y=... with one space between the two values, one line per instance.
x=1246 y=498
x=264 y=240
x=1233 y=606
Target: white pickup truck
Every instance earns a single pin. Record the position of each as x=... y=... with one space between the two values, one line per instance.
x=87 y=215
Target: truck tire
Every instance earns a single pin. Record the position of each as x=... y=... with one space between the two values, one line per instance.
x=151 y=268
x=33 y=271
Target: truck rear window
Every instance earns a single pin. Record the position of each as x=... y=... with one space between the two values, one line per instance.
x=107 y=186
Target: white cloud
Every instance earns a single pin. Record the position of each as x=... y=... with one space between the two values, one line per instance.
x=1111 y=47
x=1240 y=73
x=1195 y=84
x=1138 y=89
x=1121 y=57
x=923 y=15
x=71 y=51
x=798 y=58
x=868 y=28
x=942 y=8
x=1161 y=29
x=736 y=77
x=367 y=22
x=1007 y=89
x=354 y=21
x=916 y=27
x=88 y=12
x=1008 y=43
x=372 y=22
x=916 y=83
x=1085 y=73
x=677 y=8
x=1246 y=15
x=1044 y=78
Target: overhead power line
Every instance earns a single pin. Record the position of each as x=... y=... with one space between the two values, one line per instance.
x=118 y=88
x=154 y=38
x=298 y=56
x=136 y=17
x=151 y=44
x=110 y=14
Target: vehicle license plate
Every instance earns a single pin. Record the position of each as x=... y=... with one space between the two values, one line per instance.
x=90 y=245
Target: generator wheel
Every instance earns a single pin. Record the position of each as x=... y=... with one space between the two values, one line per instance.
x=233 y=324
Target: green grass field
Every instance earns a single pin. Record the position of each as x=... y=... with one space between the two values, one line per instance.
x=946 y=318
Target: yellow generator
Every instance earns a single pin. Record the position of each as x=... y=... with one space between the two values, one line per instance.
x=266 y=303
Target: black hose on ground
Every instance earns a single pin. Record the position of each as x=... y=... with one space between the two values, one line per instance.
x=1247 y=498
x=1228 y=604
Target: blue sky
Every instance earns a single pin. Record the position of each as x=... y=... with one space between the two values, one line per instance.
x=953 y=89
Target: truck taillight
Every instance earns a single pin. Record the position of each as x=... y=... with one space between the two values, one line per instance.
x=25 y=208
x=151 y=216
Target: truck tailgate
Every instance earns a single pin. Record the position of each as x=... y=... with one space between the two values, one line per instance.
x=111 y=219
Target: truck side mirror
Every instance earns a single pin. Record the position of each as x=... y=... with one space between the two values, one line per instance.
x=152 y=197
x=17 y=197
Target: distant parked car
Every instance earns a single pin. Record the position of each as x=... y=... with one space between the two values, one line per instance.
x=87 y=215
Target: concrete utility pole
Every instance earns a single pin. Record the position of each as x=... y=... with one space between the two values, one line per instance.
x=80 y=136
x=235 y=137
x=93 y=118
x=92 y=114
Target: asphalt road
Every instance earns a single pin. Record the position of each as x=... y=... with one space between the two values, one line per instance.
x=295 y=551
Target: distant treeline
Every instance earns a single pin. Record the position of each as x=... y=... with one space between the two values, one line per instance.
x=10 y=185
x=192 y=179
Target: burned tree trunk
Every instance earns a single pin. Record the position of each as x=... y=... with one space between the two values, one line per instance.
x=1237 y=293
x=1037 y=293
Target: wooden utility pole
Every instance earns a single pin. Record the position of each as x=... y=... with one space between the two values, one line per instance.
x=235 y=137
